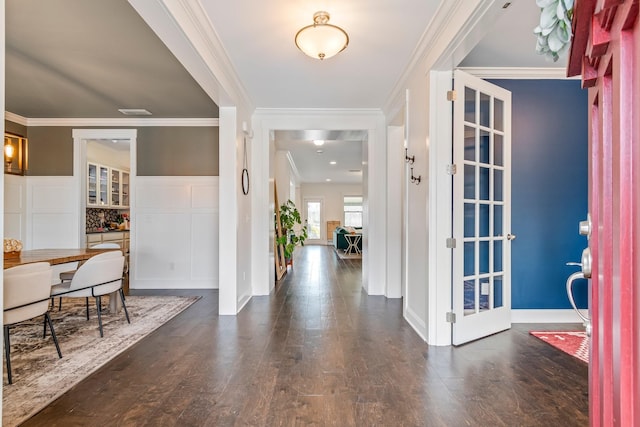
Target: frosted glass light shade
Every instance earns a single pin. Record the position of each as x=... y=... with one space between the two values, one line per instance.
x=321 y=40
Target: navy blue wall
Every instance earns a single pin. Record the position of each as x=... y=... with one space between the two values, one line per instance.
x=548 y=189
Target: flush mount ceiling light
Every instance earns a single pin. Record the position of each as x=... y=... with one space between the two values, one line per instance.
x=318 y=142
x=321 y=40
x=134 y=112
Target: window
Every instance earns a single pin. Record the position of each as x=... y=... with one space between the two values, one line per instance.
x=353 y=211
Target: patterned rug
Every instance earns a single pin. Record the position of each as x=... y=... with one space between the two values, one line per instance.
x=342 y=255
x=39 y=376
x=575 y=343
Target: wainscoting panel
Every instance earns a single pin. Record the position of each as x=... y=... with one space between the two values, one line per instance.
x=204 y=247
x=175 y=233
x=53 y=219
x=15 y=209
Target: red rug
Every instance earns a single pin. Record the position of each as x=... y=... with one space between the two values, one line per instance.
x=575 y=343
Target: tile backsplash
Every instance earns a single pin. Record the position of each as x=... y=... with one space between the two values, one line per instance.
x=110 y=215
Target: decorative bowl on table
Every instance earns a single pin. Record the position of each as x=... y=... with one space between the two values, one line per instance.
x=12 y=248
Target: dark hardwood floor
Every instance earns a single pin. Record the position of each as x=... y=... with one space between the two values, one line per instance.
x=321 y=352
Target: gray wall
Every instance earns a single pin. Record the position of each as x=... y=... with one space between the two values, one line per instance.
x=15 y=128
x=50 y=151
x=162 y=151
x=177 y=151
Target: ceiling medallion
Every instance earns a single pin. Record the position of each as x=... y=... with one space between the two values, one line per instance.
x=321 y=40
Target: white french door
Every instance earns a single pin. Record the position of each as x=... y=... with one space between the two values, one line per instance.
x=481 y=209
x=313 y=220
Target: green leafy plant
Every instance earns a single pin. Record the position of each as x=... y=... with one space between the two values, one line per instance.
x=554 y=31
x=293 y=232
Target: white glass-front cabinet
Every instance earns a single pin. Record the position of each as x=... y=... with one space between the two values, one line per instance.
x=115 y=188
x=119 y=188
x=97 y=185
x=107 y=187
x=124 y=188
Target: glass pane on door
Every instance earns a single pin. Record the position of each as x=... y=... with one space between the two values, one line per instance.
x=483 y=255
x=313 y=220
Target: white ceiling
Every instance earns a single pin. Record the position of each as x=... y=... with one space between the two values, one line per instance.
x=259 y=39
x=78 y=58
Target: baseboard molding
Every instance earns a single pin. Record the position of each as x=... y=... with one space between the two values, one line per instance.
x=546 y=316
x=415 y=322
x=243 y=301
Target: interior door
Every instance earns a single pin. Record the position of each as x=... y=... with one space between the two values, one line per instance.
x=606 y=51
x=481 y=209
x=314 y=220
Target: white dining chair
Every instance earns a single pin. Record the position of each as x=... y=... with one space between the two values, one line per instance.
x=98 y=276
x=26 y=295
x=66 y=276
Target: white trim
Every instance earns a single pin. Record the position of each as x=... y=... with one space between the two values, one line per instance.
x=184 y=27
x=416 y=323
x=370 y=120
x=450 y=24
x=517 y=73
x=15 y=118
x=292 y=165
x=439 y=212
x=133 y=122
x=546 y=316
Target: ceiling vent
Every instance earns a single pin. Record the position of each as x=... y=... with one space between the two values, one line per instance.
x=134 y=111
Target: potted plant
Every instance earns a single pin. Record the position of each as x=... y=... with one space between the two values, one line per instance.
x=293 y=232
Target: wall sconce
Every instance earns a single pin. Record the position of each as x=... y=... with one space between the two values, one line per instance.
x=415 y=179
x=407 y=158
x=15 y=154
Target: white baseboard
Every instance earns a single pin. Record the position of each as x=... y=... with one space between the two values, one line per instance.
x=546 y=316
x=416 y=323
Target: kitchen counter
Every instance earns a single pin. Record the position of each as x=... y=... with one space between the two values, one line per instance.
x=105 y=230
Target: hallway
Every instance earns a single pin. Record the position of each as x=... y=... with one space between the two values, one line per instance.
x=321 y=352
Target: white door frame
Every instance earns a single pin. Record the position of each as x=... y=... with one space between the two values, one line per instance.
x=305 y=213
x=80 y=137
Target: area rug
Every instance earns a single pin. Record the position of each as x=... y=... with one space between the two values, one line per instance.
x=575 y=343
x=342 y=255
x=39 y=376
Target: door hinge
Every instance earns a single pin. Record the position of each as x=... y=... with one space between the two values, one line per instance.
x=452 y=169
x=451 y=242
x=451 y=95
x=451 y=317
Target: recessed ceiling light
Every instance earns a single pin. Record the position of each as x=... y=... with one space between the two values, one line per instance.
x=134 y=111
x=332 y=162
x=319 y=151
x=328 y=179
x=114 y=141
x=318 y=142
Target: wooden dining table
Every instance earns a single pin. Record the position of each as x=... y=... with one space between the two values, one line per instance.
x=52 y=256
x=57 y=257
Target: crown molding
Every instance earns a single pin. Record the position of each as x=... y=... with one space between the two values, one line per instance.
x=450 y=22
x=15 y=118
x=185 y=28
x=517 y=72
x=126 y=122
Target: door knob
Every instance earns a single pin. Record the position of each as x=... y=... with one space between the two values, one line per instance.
x=511 y=236
x=585 y=227
x=586 y=263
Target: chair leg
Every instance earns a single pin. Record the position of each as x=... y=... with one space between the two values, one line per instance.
x=126 y=312
x=7 y=351
x=53 y=333
x=44 y=332
x=87 y=304
x=99 y=305
x=60 y=304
